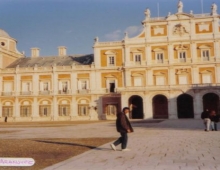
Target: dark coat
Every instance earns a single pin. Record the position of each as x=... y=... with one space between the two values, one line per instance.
x=123 y=124
x=205 y=115
x=214 y=118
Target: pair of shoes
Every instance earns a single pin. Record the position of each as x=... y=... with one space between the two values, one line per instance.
x=113 y=147
x=126 y=149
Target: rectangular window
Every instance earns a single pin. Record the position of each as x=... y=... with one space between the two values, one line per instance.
x=137 y=81
x=83 y=110
x=111 y=109
x=64 y=110
x=26 y=86
x=7 y=86
x=7 y=111
x=44 y=111
x=182 y=56
x=138 y=59
x=45 y=86
x=112 y=86
x=159 y=57
x=183 y=80
x=84 y=84
x=25 y=111
x=111 y=60
x=205 y=55
x=206 y=78
x=64 y=87
x=160 y=80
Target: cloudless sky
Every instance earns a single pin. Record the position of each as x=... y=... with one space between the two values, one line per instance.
x=47 y=24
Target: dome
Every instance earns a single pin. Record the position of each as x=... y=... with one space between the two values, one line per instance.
x=4 y=34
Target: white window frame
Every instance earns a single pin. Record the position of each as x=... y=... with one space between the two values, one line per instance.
x=210 y=75
x=137 y=58
x=82 y=108
x=61 y=88
x=108 y=84
x=186 y=78
x=110 y=57
x=182 y=54
x=205 y=57
x=158 y=83
x=23 y=89
x=80 y=81
x=141 y=83
x=42 y=86
x=158 y=56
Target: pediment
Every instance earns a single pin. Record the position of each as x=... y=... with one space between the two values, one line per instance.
x=178 y=16
x=159 y=74
x=158 y=49
x=109 y=76
x=109 y=52
x=206 y=72
x=204 y=47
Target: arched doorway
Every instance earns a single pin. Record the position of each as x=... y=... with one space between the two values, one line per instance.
x=160 y=107
x=136 y=107
x=185 y=106
x=211 y=102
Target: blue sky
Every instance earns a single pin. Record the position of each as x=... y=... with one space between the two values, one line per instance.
x=47 y=24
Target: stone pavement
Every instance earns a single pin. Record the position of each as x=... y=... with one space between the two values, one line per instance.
x=168 y=145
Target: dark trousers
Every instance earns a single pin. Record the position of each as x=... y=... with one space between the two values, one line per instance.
x=122 y=140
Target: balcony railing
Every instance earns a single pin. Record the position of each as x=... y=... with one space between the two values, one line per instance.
x=25 y=93
x=83 y=91
x=64 y=92
x=7 y=93
x=46 y=92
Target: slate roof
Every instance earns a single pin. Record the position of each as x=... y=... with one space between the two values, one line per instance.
x=53 y=60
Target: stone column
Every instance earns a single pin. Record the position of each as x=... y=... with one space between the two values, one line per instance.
x=17 y=84
x=54 y=106
x=194 y=52
x=217 y=74
x=36 y=84
x=35 y=108
x=73 y=108
x=148 y=55
x=150 y=77
x=170 y=53
x=55 y=87
x=216 y=45
x=127 y=78
x=97 y=57
x=198 y=105
x=148 y=107
x=172 y=80
x=172 y=106
x=127 y=55
x=74 y=82
x=195 y=75
x=16 y=108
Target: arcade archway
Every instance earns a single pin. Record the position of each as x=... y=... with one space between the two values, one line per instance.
x=211 y=102
x=160 y=107
x=185 y=106
x=136 y=107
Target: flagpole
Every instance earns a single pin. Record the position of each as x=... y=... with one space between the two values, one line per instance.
x=202 y=6
x=158 y=13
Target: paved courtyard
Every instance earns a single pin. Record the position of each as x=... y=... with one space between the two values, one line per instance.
x=167 y=145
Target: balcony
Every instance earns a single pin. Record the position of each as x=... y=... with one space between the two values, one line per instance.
x=26 y=93
x=64 y=92
x=83 y=91
x=7 y=93
x=46 y=92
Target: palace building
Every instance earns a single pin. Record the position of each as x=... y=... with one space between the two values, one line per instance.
x=169 y=71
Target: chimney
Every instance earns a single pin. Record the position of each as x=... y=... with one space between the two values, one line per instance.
x=61 y=51
x=35 y=52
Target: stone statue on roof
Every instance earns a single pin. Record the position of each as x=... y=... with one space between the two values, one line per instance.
x=147 y=13
x=180 y=6
x=214 y=9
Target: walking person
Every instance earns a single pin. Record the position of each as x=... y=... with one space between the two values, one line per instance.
x=123 y=126
x=206 y=119
x=214 y=120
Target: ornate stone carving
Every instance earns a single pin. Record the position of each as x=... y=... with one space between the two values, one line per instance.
x=214 y=9
x=180 y=30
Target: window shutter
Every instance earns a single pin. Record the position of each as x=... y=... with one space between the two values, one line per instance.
x=79 y=85
x=60 y=85
x=41 y=86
